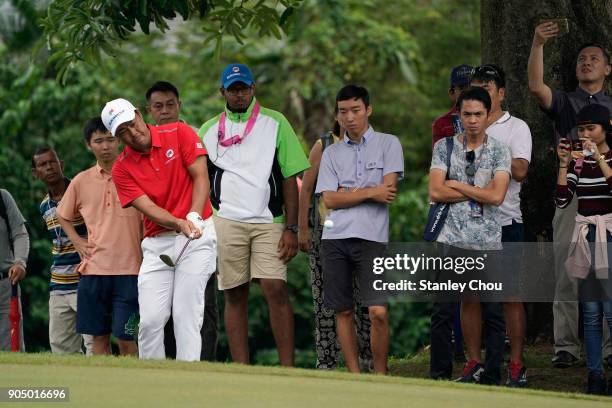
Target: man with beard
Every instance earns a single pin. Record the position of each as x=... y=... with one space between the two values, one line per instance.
x=254 y=158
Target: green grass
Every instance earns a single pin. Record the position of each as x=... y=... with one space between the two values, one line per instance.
x=128 y=382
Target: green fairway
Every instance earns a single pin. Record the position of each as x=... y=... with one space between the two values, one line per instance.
x=112 y=381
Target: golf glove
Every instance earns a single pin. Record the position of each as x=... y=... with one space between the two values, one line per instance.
x=195 y=218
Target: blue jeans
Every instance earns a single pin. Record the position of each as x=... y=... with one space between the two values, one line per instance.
x=593 y=311
x=592 y=314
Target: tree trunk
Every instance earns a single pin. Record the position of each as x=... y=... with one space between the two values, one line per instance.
x=318 y=120
x=314 y=117
x=507 y=29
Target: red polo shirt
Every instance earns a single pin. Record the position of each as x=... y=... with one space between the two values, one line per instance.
x=161 y=174
x=443 y=127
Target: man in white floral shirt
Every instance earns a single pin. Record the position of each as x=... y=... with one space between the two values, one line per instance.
x=477 y=182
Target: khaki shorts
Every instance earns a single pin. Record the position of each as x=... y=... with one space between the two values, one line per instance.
x=248 y=251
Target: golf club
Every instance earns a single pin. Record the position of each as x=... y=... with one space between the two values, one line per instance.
x=168 y=261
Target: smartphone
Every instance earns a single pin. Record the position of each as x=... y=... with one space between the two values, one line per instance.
x=562 y=23
x=577 y=151
x=567 y=142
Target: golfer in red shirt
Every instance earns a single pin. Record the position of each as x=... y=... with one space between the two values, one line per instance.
x=162 y=173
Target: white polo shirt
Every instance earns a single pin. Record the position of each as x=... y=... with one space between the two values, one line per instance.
x=514 y=133
x=246 y=179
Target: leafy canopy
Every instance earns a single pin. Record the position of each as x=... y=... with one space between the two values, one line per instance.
x=80 y=30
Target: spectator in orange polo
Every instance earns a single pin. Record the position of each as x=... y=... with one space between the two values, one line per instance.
x=107 y=294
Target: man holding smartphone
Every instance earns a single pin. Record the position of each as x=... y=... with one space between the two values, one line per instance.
x=592 y=68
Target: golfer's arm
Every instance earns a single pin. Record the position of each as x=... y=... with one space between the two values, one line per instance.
x=290 y=197
x=156 y=214
x=439 y=192
x=535 y=75
x=201 y=185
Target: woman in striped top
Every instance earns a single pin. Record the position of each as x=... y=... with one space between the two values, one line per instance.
x=590 y=178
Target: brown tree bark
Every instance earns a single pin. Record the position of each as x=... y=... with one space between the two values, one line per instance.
x=318 y=120
x=507 y=29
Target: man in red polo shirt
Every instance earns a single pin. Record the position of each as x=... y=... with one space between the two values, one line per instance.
x=449 y=123
x=162 y=173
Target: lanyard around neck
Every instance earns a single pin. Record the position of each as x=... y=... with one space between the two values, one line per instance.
x=236 y=139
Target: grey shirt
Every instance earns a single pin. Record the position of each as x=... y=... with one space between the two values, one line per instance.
x=21 y=241
x=565 y=107
x=347 y=164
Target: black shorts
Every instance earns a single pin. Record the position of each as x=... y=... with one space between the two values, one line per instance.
x=341 y=258
x=108 y=303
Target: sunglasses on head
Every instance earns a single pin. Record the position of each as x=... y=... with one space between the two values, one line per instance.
x=470 y=169
x=485 y=70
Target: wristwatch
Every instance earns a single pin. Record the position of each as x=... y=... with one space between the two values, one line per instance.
x=293 y=228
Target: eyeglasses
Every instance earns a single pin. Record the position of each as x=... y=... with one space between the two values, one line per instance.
x=485 y=71
x=239 y=91
x=470 y=169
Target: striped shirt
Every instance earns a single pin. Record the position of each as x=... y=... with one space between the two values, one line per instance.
x=593 y=190
x=64 y=275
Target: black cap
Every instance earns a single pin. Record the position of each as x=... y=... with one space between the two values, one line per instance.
x=595 y=114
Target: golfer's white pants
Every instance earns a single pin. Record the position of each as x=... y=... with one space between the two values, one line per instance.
x=162 y=289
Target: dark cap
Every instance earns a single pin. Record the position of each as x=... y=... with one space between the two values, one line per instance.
x=595 y=114
x=460 y=76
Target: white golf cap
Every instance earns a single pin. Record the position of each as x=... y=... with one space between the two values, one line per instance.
x=116 y=112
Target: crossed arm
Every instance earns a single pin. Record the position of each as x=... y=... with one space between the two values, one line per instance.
x=453 y=191
x=384 y=193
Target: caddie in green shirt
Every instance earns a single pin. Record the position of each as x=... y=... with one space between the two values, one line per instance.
x=254 y=156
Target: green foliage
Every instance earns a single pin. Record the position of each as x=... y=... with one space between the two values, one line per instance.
x=82 y=30
x=335 y=42
x=408 y=213
x=402 y=51
x=17 y=30
x=37 y=111
x=409 y=324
